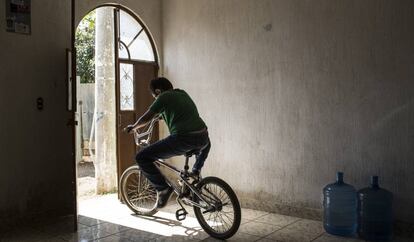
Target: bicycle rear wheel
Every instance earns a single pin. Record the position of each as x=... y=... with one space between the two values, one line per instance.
x=138 y=194
x=224 y=221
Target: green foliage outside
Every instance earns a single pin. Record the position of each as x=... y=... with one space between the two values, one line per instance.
x=85 y=49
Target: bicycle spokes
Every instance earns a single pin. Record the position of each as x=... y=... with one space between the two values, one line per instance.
x=139 y=192
x=221 y=218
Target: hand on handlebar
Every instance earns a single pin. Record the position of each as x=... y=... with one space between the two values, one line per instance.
x=129 y=128
x=139 y=136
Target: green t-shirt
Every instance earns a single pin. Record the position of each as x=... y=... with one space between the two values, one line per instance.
x=178 y=111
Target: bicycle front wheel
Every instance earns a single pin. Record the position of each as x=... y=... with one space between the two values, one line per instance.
x=224 y=220
x=138 y=194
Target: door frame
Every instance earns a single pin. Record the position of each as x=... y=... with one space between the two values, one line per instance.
x=73 y=114
x=74 y=87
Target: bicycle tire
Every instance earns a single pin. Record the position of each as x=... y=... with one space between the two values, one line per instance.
x=126 y=182
x=225 y=234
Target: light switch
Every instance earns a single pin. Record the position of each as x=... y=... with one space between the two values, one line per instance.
x=39 y=103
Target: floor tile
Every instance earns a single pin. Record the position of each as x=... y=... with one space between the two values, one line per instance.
x=243 y=221
x=53 y=220
x=113 y=238
x=402 y=239
x=331 y=238
x=173 y=207
x=88 y=221
x=277 y=219
x=198 y=234
x=103 y=207
x=163 y=226
x=162 y=223
x=82 y=226
x=291 y=235
x=56 y=226
x=265 y=240
x=250 y=214
x=59 y=228
x=137 y=235
x=312 y=227
x=186 y=231
x=239 y=236
x=85 y=235
x=174 y=238
x=258 y=229
x=95 y=224
x=27 y=234
x=110 y=227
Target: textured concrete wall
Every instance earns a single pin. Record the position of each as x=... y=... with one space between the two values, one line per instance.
x=294 y=90
x=35 y=146
x=86 y=94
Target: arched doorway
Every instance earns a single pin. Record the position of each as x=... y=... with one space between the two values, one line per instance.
x=124 y=60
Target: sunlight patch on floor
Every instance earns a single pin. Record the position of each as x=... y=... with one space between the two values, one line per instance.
x=108 y=208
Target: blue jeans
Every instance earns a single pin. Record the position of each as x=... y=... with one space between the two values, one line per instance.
x=173 y=145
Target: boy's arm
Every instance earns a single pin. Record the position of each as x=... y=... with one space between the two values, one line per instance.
x=156 y=107
x=142 y=121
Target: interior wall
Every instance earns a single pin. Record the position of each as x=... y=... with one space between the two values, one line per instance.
x=36 y=146
x=36 y=168
x=293 y=91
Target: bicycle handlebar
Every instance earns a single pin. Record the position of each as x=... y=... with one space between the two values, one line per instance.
x=138 y=136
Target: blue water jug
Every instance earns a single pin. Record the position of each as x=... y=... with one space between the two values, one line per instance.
x=340 y=208
x=375 y=212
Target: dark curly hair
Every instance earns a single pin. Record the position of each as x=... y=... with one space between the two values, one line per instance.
x=161 y=83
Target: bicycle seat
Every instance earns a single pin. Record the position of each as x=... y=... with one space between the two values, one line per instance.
x=193 y=152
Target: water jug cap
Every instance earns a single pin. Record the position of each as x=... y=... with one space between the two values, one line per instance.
x=340 y=177
x=374 y=181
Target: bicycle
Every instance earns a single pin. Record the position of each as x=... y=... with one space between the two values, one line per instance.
x=215 y=204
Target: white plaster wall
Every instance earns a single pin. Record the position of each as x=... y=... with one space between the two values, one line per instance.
x=294 y=90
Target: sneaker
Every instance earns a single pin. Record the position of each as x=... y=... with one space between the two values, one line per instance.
x=164 y=196
x=195 y=174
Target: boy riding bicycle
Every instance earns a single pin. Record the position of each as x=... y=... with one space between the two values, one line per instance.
x=187 y=132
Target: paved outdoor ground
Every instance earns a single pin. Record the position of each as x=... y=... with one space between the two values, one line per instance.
x=85 y=169
x=86 y=180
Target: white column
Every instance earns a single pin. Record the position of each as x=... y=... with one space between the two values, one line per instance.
x=105 y=163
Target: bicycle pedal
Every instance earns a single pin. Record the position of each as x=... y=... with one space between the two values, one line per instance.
x=181 y=214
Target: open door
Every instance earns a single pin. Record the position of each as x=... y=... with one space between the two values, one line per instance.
x=134 y=99
x=135 y=65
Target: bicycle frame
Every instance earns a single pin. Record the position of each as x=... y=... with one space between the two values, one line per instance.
x=188 y=184
x=182 y=174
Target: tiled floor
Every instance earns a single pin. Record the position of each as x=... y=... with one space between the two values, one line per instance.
x=105 y=219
